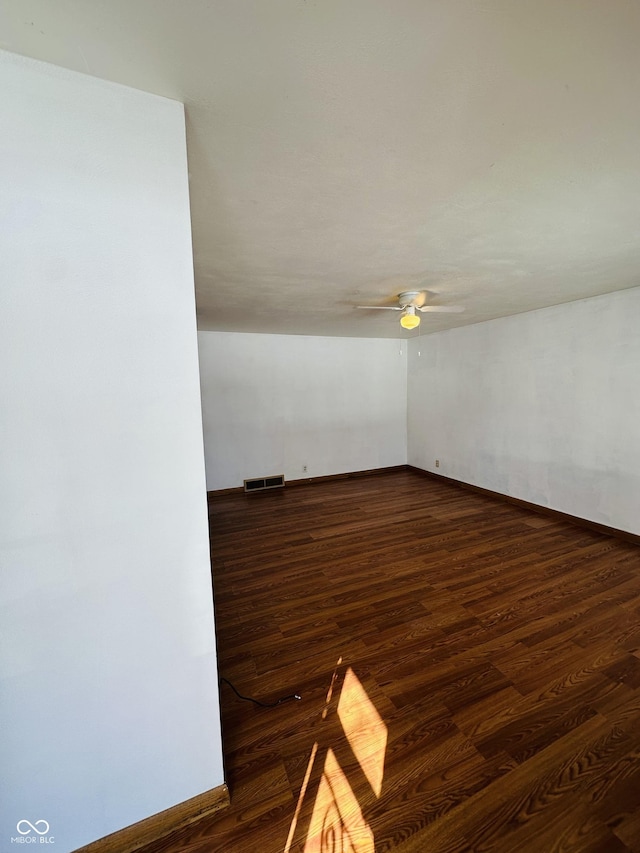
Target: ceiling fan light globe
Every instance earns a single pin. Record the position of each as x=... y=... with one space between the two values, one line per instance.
x=409 y=321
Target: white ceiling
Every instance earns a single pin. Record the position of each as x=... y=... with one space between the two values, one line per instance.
x=341 y=151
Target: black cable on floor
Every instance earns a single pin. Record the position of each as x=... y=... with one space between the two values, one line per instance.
x=257 y=701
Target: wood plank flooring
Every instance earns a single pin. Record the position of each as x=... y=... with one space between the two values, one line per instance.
x=469 y=673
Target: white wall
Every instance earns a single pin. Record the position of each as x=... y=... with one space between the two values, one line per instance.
x=275 y=403
x=543 y=406
x=109 y=708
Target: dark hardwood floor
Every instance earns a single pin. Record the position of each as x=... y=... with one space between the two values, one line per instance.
x=469 y=673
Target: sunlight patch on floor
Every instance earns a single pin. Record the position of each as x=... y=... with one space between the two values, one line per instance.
x=353 y=749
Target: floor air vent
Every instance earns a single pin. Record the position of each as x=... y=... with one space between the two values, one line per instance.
x=262 y=483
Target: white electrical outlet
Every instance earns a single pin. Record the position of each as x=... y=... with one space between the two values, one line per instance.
x=304 y=468
x=437 y=463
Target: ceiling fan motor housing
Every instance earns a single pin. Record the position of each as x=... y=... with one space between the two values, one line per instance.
x=414 y=298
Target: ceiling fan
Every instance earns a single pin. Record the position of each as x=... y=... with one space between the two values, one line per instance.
x=412 y=301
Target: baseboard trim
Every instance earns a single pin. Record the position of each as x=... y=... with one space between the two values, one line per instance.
x=161 y=825
x=306 y=481
x=542 y=510
x=234 y=490
x=349 y=475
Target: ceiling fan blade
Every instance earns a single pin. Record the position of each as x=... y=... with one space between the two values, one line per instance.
x=379 y=307
x=441 y=309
